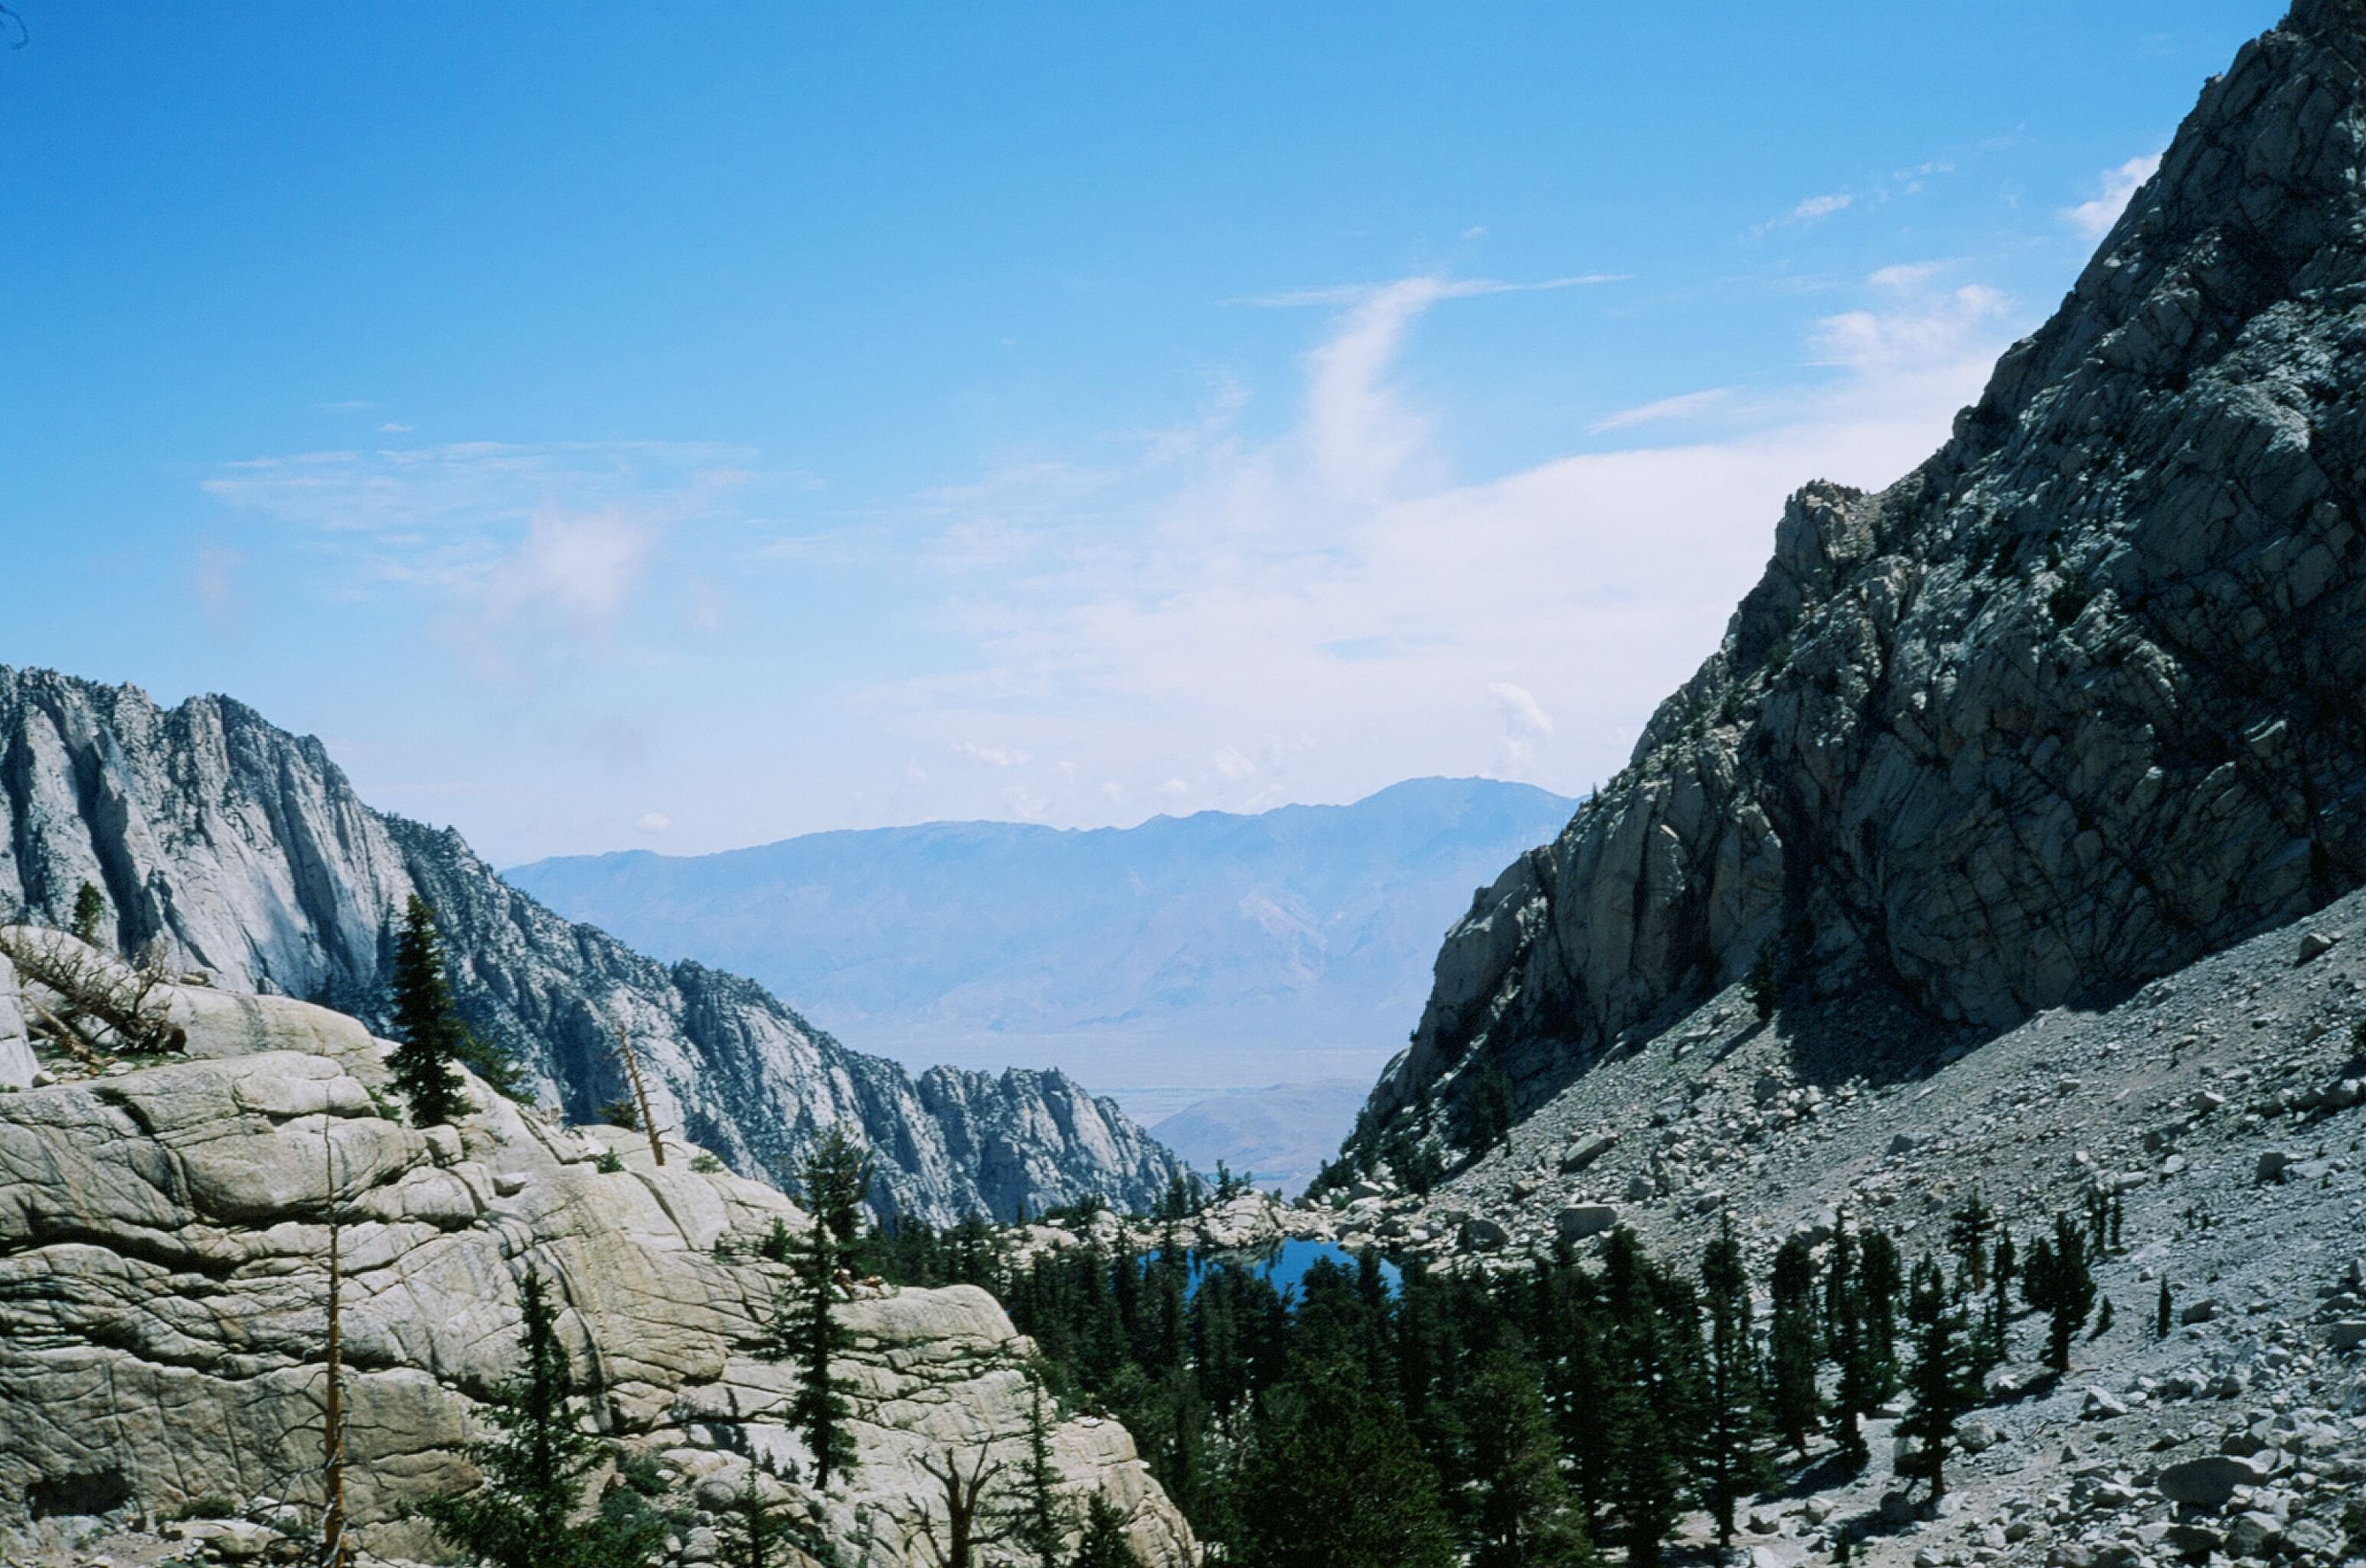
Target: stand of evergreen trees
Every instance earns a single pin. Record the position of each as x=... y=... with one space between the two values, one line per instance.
x=1539 y=1416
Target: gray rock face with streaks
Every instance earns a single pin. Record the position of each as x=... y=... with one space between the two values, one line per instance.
x=2071 y=705
x=246 y=850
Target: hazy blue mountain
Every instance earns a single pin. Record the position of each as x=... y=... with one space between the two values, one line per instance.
x=1281 y=1134
x=1159 y=963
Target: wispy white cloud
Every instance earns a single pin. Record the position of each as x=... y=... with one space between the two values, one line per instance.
x=1525 y=722
x=1824 y=206
x=1333 y=605
x=992 y=756
x=653 y=822
x=1684 y=405
x=524 y=553
x=2090 y=220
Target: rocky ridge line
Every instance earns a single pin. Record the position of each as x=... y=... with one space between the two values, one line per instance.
x=245 y=850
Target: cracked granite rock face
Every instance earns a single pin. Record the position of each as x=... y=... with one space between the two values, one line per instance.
x=162 y=1291
x=2071 y=705
x=246 y=851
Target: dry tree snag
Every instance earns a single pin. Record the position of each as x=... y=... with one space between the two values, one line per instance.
x=965 y=1531
x=96 y=1002
x=335 y=1551
x=631 y=1057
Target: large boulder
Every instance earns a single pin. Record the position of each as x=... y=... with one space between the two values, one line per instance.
x=2208 y=1483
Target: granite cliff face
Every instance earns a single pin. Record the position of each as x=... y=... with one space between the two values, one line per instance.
x=2070 y=706
x=245 y=849
x=163 y=1315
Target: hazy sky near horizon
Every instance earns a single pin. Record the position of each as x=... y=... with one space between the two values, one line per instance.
x=688 y=426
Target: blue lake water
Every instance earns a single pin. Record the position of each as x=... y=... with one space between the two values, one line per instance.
x=1285 y=1265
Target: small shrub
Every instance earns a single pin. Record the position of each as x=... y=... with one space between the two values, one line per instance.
x=705 y=1164
x=643 y=1473
x=777 y=1243
x=213 y=1508
x=611 y=1162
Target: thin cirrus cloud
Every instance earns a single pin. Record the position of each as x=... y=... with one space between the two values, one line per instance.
x=1685 y=405
x=522 y=552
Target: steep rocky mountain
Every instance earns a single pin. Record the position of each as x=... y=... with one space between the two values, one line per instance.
x=164 y=1301
x=2070 y=706
x=245 y=850
x=1195 y=953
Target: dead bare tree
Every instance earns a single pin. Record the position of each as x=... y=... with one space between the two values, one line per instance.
x=95 y=1002
x=631 y=1057
x=968 y=1524
x=335 y=1551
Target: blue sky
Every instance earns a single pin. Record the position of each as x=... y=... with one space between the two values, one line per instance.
x=690 y=426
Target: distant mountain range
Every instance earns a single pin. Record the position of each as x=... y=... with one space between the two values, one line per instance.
x=1160 y=964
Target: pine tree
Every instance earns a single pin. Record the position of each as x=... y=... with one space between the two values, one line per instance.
x=837 y=1178
x=804 y=1323
x=1645 y=1404
x=1730 y=1462
x=753 y=1528
x=1941 y=1379
x=2163 y=1313
x=1880 y=1281
x=1795 y=1406
x=1104 y=1544
x=1844 y=1329
x=1334 y=1477
x=2057 y=1282
x=1968 y=1229
x=426 y=1023
x=1766 y=981
x=89 y=913
x=523 y=1517
x=1524 y=1516
x=1040 y=1528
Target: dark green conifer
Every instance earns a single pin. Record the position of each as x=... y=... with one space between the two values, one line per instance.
x=1039 y=1527
x=1942 y=1379
x=1794 y=1405
x=1880 y=1282
x=1524 y=1516
x=1104 y=1544
x=2057 y=1282
x=1731 y=1463
x=426 y=1025
x=2163 y=1312
x=806 y=1328
x=1766 y=981
x=754 y=1530
x=1968 y=1229
x=89 y=913
x=1645 y=1410
x=837 y=1178
x=1849 y=1343
x=1333 y=1477
x=523 y=1514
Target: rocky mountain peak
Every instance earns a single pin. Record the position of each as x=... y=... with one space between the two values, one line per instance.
x=2067 y=707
